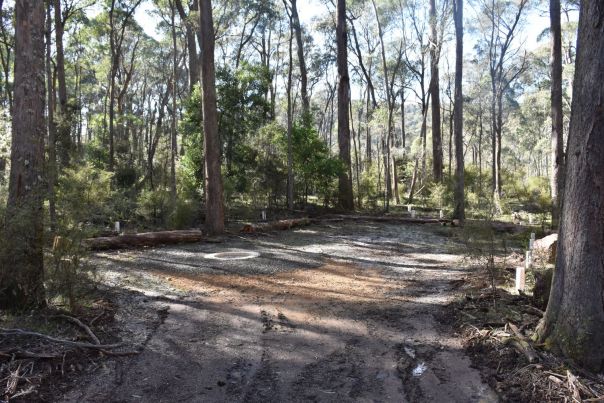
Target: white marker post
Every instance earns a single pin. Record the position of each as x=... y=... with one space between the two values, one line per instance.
x=409 y=208
x=117 y=227
x=263 y=215
x=528 y=262
x=520 y=278
x=441 y=214
x=532 y=241
x=413 y=213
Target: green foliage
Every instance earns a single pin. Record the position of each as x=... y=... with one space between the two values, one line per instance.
x=66 y=272
x=269 y=179
x=154 y=206
x=482 y=245
x=531 y=195
x=192 y=137
x=440 y=195
x=186 y=214
x=369 y=186
x=243 y=110
x=85 y=196
x=315 y=170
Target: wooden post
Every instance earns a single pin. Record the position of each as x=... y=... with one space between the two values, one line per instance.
x=520 y=278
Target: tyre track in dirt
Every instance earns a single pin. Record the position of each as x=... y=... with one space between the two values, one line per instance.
x=332 y=313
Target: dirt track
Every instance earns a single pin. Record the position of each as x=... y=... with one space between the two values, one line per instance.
x=334 y=313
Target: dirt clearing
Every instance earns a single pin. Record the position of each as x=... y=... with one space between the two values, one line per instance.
x=344 y=312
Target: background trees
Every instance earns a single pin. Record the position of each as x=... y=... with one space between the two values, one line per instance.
x=126 y=93
x=124 y=102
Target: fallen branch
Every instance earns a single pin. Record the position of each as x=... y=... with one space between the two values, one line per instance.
x=522 y=345
x=143 y=239
x=24 y=392
x=21 y=332
x=387 y=219
x=78 y=322
x=275 y=225
x=27 y=354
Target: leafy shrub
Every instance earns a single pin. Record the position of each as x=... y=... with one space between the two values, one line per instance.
x=154 y=206
x=67 y=274
x=186 y=214
x=85 y=196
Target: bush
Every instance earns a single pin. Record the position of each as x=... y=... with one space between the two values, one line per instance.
x=154 y=206
x=67 y=275
x=186 y=214
x=84 y=196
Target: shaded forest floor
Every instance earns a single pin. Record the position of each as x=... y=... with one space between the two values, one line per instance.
x=339 y=311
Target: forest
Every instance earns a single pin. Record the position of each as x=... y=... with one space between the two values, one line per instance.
x=255 y=200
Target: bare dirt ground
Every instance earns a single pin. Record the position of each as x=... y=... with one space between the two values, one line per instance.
x=345 y=312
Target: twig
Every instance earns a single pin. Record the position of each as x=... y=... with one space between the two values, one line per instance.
x=25 y=392
x=522 y=345
x=13 y=381
x=26 y=354
x=82 y=326
x=119 y=353
x=21 y=332
x=97 y=318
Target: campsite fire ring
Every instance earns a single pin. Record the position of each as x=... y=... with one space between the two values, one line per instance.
x=238 y=255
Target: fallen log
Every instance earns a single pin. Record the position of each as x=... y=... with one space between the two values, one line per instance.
x=143 y=239
x=386 y=219
x=275 y=225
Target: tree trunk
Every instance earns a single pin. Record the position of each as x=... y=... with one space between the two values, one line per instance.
x=345 y=196
x=52 y=130
x=368 y=134
x=356 y=152
x=22 y=269
x=403 y=132
x=295 y=20
x=459 y=199
x=557 y=136
x=574 y=319
x=64 y=126
x=191 y=46
x=387 y=89
x=112 y=74
x=411 y=193
x=173 y=145
x=290 y=158
x=213 y=182
x=437 y=148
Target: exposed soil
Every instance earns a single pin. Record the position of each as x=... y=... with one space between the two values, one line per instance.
x=331 y=313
